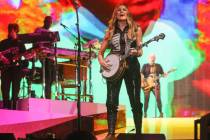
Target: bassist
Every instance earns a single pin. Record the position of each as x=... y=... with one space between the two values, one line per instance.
x=12 y=72
x=149 y=73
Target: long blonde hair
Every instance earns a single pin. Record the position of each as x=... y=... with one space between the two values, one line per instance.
x=131 y=24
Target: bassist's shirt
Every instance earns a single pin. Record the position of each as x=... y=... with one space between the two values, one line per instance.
x=147 y=70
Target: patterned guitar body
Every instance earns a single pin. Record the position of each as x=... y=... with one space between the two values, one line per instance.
x=116 y=69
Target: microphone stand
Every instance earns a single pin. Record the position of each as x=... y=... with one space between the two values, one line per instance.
x=68 y=30
x=78 y=68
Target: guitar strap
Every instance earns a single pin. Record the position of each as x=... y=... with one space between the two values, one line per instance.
x=153 y=72
x=153 y=69
x=127 y=44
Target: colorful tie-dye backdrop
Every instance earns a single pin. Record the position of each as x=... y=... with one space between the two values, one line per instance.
x=185 y=92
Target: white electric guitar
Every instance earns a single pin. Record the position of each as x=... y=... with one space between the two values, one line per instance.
x=151 y=81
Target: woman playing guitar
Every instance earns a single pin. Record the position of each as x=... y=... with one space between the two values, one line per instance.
x=123 y=34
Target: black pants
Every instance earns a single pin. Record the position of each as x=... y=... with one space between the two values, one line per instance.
x=132 y=82
x=156 y=92
x=10 y=77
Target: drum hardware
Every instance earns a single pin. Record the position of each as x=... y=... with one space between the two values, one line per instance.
x=23 y=87
x=25 y=74
x=91 y=46
x=45 y=52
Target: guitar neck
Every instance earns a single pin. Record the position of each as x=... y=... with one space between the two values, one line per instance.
x=143 y=45
x=146 y=43
x=162 y=75
x=10 y=50
x=156 y=38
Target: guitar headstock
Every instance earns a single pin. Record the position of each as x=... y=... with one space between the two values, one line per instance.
x=158 y=37
x=172 y=70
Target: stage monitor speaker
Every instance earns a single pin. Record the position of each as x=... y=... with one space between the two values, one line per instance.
x=62 y=129
x=131 y=136
x=7 y=136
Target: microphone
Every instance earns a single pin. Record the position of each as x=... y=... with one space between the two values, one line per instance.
x=64 y=26
x=75 y=3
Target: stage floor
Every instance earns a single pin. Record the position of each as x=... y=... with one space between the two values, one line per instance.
x=172 y=128
x=36 y=115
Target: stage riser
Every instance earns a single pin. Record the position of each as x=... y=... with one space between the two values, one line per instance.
x=1 y=104
x=41 y=116
x=60 y=106
x=21 y=129
x=9 y=117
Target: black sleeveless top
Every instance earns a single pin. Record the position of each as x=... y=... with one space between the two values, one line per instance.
x=120 y=42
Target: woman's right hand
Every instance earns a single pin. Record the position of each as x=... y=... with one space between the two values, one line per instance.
x=105 y=64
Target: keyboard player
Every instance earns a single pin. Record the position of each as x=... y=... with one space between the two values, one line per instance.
x=47 y=62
